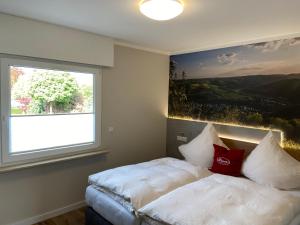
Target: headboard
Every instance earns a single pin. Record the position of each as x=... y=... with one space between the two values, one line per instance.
x=180 y=131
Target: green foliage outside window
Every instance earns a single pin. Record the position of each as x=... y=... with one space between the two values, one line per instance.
x=51 y=92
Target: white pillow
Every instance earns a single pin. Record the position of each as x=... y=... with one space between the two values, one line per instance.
x=200 y=150
x=270 y=165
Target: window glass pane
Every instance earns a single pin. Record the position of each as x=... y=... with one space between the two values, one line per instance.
x=40 y=91
x=50 y=109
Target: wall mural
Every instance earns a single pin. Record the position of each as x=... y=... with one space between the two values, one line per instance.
x=256 y=85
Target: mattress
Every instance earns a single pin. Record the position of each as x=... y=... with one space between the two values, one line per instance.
x=109 y=208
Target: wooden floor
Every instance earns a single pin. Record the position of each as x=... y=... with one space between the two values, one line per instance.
x=72 y=218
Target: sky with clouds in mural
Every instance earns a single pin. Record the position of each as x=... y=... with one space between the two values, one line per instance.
x=274 y=57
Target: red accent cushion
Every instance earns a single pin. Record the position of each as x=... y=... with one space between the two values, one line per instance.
x=227 y=161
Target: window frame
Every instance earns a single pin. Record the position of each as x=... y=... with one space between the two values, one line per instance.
x=7 y=158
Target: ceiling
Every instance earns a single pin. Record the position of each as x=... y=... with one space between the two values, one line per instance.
x=203 y=25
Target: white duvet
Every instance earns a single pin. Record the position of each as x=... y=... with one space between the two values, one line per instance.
x=141 y=183
x=223 y=200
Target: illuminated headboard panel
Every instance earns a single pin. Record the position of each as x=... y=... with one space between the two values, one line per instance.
x=233 y=136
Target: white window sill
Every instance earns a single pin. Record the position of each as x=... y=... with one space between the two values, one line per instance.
x=4 y=169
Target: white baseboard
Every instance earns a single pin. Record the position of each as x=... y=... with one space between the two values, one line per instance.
x=50 y=214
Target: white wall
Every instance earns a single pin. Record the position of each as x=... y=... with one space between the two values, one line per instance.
x=135 y=93
x=27 y=37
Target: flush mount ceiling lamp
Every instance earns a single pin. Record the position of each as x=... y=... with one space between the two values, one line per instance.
x=161 y=9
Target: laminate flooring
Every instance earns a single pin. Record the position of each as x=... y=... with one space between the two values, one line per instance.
x=76 y=217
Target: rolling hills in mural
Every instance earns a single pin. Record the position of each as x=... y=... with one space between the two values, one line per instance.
x=256 y=85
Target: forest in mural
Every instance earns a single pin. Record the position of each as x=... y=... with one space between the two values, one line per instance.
x=256 y=84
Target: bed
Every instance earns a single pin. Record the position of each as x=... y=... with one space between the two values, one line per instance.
x=105 y=208
x=114 y=196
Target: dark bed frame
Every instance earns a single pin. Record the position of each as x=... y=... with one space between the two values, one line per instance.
x=93 y=218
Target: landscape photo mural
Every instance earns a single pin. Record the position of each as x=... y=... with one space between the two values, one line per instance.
x=255 y=85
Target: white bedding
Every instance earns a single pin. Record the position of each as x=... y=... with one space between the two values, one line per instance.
x=141 y=183
x=224 y=200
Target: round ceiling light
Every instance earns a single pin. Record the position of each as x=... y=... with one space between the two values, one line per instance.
x=161 y=9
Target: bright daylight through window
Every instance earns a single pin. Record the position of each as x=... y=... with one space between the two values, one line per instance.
x=48 y=109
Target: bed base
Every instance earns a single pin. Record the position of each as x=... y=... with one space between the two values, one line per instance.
x=93 y=218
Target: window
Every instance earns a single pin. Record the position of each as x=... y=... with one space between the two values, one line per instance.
x=48 y=109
